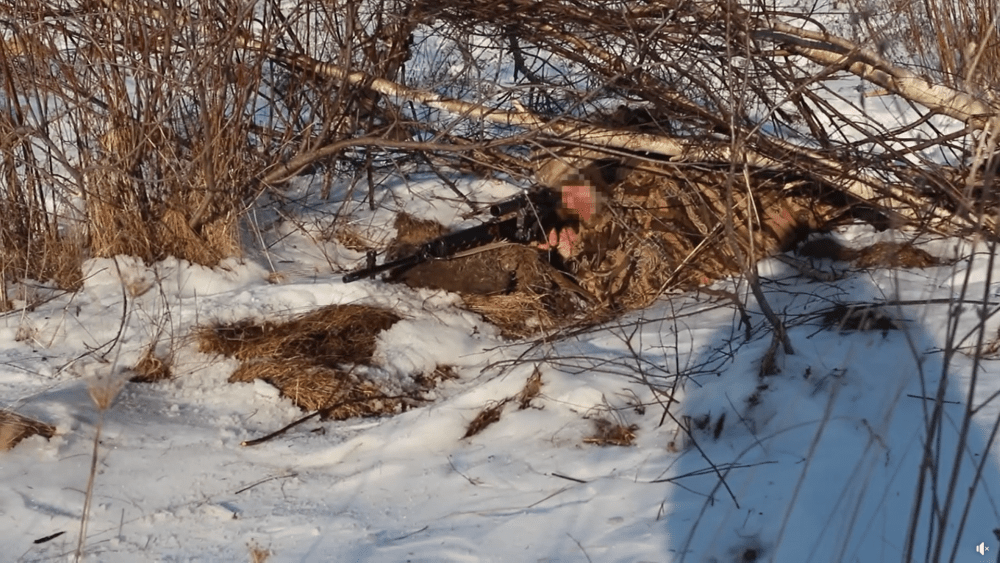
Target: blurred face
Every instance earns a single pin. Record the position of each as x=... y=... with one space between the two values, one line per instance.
x=581 y=199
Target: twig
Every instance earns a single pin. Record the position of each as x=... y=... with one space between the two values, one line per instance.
x=731 y=296
x=559 y=492
x=280 y=431
x=467 y=478
x=727 y=466
x=568 y=478
x=779 y=329
x=413 y=533
x=578 y=544
x=932 y=398
x=265 y=480
x=48 y=538
x=715 y=469
x=325 y=411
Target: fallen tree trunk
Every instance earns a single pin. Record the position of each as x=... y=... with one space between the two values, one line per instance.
x=834 y=51
x=857 y=184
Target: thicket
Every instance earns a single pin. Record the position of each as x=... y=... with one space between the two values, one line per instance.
x=135 y=128
x=151 y=129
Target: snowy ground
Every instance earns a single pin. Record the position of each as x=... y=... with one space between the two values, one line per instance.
x=820 y=465
x=816 y=463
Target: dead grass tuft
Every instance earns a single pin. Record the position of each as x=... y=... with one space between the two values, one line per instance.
x=493 y=411
x=124 y=219
x=611 y=433
x=66 y=254
x=532 y=387
x=302 y=358
x=427 y=381
x=15 y=427
x=314 y=387
x=517 y=315
x=489 y=415
x=151 y=368
x=42 y=256
x=329 y=336
x=258 y=554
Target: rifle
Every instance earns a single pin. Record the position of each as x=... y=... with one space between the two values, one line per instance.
x=533 y=214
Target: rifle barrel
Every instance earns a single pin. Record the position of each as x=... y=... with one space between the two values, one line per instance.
x=520 y=229
x=412 y=260
x=509 y=205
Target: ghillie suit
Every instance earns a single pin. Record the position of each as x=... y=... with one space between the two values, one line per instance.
x=666 y=225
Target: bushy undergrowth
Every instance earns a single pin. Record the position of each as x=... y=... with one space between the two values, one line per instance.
x=150 y=129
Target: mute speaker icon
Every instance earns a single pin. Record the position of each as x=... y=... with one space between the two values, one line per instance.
x=981 y=549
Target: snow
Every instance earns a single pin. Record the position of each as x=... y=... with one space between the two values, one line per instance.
x=823 y=466
x=816 y=463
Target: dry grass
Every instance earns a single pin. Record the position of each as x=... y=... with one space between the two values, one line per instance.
x=258 y=554
x=349 y=237
x=303 y=356
x=42 y=256
x=314 y=387
x=957 y=39
x=492 y=412
x=103 y=389
x=532 y=388
x=330 y=336
x=15 y=427
x=486 y=417
x=169 y=169
x=611 y=433
x=517 y=315
x=141 y=176
x=123 y=221
x=151 y=368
